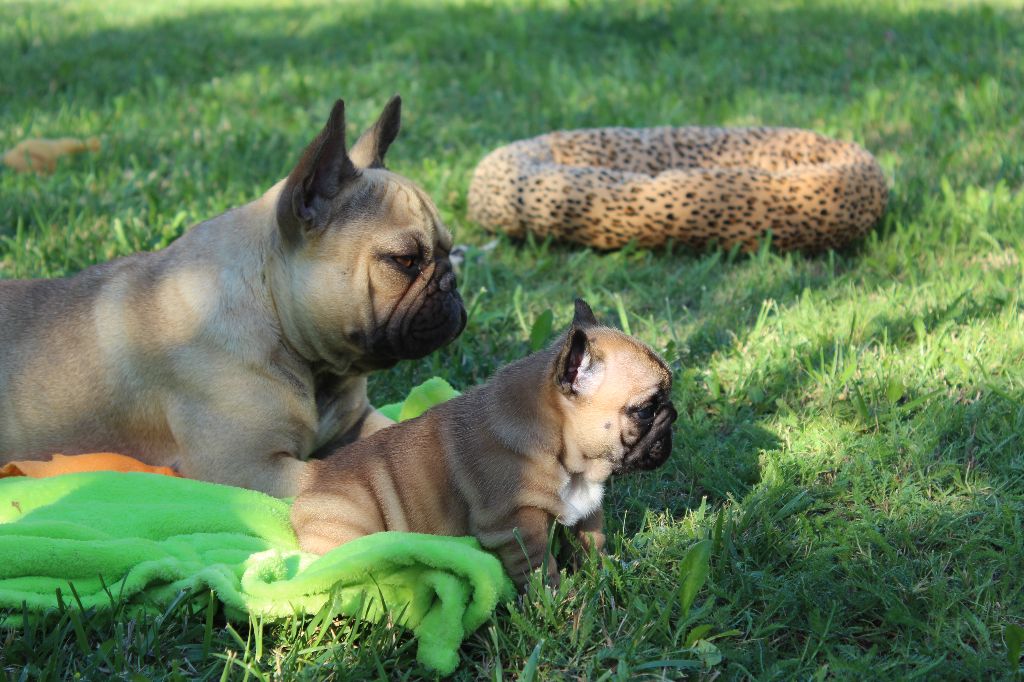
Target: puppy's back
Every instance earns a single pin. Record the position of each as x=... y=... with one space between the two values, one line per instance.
x=395 y=479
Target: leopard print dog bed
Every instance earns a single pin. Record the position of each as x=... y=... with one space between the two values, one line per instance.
x=606 y=186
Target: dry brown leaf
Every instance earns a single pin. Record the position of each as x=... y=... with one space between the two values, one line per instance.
x=40 y=155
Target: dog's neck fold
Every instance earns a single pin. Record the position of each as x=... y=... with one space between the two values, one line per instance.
x=311 y=350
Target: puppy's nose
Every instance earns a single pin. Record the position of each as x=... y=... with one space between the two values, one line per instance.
x=666 y=416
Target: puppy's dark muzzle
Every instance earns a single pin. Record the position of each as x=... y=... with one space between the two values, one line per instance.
x=654 y=447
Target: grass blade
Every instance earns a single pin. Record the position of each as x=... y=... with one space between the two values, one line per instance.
x=1014 y=635
x=693 y=572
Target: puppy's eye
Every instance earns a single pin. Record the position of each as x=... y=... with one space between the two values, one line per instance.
x=406 y=262
x=645 y=412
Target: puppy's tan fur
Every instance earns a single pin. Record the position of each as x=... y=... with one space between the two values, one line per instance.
x=533 y=445
x=245 y=344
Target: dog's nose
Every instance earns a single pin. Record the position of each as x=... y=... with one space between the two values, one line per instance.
x=446 y=281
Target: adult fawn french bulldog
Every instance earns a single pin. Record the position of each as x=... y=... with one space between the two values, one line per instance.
x=242 y=347
x=505 y=460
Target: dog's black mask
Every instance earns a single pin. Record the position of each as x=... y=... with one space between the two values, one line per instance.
x=430 y=316
x=655 y=445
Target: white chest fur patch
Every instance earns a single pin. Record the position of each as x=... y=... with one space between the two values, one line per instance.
x=580 y=497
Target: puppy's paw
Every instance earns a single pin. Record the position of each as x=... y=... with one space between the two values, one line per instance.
x=544 y=575
x=591 y=541
x=538 y=584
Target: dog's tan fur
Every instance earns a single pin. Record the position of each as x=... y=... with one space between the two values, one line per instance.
x=244 y=345
x=505 y=459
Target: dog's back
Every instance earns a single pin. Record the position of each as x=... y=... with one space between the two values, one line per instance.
x=52 y=372
x=29 y=307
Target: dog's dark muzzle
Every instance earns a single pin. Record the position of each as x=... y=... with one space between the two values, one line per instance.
x=654 y=447
x=431 y=318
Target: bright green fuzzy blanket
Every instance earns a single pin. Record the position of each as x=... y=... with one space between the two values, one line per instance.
x=146 y=537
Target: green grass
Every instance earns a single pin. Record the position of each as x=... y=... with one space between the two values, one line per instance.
x=852 y=425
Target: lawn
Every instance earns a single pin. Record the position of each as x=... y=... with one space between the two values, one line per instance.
x=851 y=431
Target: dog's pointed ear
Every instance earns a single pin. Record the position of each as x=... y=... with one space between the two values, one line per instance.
x=583 y=316
x=370 y=148
x=575 y=365
x=325 y=167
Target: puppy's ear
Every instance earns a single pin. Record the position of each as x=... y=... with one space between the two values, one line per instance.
x=370 y=148
x=575 y=368
x=323 y=170
x=583 y=316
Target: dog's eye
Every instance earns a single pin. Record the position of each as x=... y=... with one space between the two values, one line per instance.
x=645 y=412
x=406 y=262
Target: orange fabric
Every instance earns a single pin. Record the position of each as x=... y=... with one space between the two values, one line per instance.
x=73 y=464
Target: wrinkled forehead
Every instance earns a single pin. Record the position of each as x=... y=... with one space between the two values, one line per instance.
x=404 y=198
x=385 y=202
x=632 y=364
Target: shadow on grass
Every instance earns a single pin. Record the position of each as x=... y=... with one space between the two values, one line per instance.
x=474 y=76
x=919 y=546
x=495 y=53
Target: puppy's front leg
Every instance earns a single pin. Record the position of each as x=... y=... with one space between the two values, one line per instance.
x=590 y=531
x=522 y=545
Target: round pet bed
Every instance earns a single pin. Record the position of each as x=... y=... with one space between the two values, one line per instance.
x=603 y=187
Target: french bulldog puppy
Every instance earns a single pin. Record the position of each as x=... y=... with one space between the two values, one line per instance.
x=505 y=460
x=244 y=346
